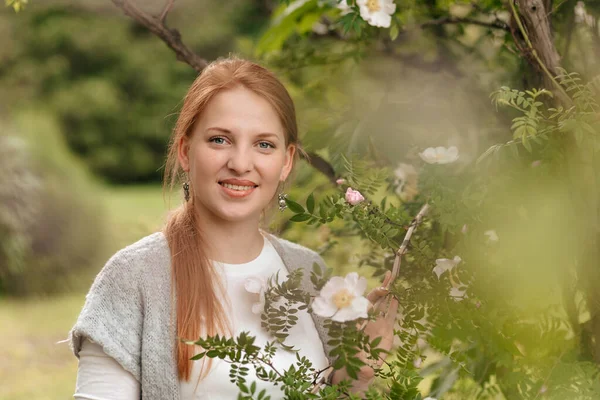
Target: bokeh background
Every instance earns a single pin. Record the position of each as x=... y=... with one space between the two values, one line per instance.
x=88 y=98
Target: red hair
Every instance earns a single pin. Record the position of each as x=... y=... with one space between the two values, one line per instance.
x=194 y=281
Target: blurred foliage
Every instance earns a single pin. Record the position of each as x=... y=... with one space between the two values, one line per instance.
x=51 y=227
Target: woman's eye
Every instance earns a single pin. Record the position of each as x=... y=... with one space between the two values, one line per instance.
x=265 y=145
x=217 y=140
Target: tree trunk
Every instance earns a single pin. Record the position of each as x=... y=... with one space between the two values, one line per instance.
x=534 y=15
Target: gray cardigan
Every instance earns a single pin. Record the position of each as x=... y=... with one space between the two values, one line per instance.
x=128 y=311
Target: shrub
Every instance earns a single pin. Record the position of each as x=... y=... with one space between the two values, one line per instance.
x=50 y=227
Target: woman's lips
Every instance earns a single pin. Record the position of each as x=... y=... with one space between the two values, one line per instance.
x=237 y=191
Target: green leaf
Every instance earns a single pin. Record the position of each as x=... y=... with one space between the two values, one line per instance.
x=394 y=31
x=300 y=218
x=310 y=203
x=295 y=207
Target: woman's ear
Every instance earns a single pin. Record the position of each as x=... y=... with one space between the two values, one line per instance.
x=183 y=150
x=289 y=162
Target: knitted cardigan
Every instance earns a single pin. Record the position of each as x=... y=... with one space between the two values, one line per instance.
x=128 y=311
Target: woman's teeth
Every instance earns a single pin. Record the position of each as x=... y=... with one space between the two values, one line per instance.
x=236 y=187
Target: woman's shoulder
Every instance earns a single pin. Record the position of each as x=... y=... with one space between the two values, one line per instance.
x=149 y=252
x=295 y=253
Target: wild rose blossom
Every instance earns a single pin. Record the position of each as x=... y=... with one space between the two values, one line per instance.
x=457 y=293
x=353 y=197
x=257 y=285
x=341 y=299
x=445 y=264
x=491 y=235
x=344 y=7
x=439 y=155
x=407 y=181
x=377 y=12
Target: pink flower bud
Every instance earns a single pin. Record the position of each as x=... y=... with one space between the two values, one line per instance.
x=340 y=181
x=353 y=197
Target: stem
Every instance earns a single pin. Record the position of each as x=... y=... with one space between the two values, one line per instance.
x=533 y=51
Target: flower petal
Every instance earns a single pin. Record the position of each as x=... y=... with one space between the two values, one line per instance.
x=257 y=308
x=360 y=287
x=324 y=307
x=360 y=305
x=254 y=284
x=439 y=271
x=332 y=287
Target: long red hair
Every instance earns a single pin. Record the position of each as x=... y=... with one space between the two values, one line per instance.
x=194 y=283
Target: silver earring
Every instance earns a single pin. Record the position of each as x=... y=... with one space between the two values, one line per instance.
x=281 y=200
x=186 y=190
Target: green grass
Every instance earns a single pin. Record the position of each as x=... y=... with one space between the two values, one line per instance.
x=32 y=364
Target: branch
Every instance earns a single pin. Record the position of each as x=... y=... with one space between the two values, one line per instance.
x=171 y=37
x=496 y=24
x=321 y=165
x=165 y=11
x=402 y=251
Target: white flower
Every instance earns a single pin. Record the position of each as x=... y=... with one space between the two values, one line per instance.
x=377 y=12
x=444 y=264
x=257 y=285
x=582 y=16
x=406 y=182
x=418 y=362
x=319 y=28
x=439 y=155
x=341 y=299
x=492 y=235
x=343 y=5
x=458 y=293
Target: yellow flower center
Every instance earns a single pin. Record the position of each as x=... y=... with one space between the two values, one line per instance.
x=373 y=5
x=343 y=298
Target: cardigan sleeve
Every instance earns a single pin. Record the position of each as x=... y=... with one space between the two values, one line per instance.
x=113 y=313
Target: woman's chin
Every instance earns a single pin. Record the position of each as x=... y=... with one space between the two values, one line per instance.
x=239 y=216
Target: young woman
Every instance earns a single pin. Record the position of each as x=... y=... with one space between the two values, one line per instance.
x=233 y=148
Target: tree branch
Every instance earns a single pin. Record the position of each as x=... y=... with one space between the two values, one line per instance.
x=496 y=24
x=171 y=37
x=321 y=165
x=165 y=11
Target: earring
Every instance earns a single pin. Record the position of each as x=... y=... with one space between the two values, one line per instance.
x=186 y=190
x=281 y=200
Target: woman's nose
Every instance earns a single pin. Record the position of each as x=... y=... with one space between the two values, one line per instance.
x=240 y=161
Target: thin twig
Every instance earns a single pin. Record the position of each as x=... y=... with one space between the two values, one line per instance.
x=165 y=11
x=171 y=37
x=496 y=24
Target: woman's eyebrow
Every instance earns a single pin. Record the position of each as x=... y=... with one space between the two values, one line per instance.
x=262 y=135
x=216 y=128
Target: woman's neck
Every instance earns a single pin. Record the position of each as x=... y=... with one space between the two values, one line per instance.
x=232 y=243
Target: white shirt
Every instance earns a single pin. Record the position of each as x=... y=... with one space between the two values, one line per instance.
x=100 y=377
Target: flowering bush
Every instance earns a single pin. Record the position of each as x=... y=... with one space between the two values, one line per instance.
x=477 y=304
x=493 y=258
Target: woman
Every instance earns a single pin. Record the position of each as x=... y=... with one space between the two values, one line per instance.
x=233 y=146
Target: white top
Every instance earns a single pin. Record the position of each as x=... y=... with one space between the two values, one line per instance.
x=100 y=377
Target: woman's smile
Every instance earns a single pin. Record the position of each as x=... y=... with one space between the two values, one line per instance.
x=237 y=188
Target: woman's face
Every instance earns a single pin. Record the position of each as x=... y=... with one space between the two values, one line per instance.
x=236 y=156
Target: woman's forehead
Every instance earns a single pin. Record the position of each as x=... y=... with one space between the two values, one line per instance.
x=240 y=110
